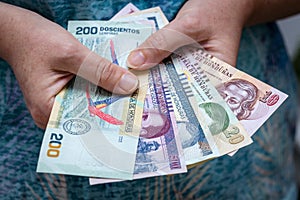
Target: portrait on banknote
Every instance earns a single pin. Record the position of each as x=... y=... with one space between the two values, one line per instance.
x=244 y=98
x=240 y=95
x=154 y=124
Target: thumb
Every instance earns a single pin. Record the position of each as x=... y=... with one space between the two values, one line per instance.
x=108 y=75
x=157 y=47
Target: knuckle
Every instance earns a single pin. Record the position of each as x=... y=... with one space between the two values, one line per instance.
x=158 y=42
x=190 y=22
x=68 y=52
x=105 y=72
x=194 y=28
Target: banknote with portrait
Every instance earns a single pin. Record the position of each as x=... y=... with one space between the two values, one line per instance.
x=215 y=116
x=251 y=100
x=215 y=100
x=159 y=150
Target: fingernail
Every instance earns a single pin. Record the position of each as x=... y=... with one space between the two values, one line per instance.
x=127 y=84
x=135 y=59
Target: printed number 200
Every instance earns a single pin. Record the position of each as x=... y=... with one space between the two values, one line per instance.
x=54 y=145
x=86 y=30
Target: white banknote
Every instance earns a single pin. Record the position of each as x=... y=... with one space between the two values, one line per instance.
x=92 y=132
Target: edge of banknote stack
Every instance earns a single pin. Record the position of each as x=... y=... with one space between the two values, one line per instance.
x=189 y=109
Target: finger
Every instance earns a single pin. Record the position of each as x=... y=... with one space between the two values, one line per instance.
x=158 y=46
x=109 y=76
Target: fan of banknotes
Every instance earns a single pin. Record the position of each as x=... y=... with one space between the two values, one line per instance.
x=190 y=108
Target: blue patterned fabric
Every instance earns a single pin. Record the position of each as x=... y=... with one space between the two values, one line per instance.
x=263 y=170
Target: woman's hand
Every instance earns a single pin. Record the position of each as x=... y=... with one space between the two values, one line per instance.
x=45 y=57
x=215 y=25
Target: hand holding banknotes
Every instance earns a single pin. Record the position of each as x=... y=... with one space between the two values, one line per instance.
x=93 y=133
x=45 y=57
x=215 y=25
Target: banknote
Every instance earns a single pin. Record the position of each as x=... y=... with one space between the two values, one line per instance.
x=156 y=18
x=215 y=116
x=197 y=145
x=128 y=9
x=154 y=15
x=188 y=124
x=217 y=71
x=92 y=132
x=159 y=150
x=251 y=100
x=207 y=127
x=161 y=21
x=163 y=154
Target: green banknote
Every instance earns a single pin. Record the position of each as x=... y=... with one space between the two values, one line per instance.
x=92 y=132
